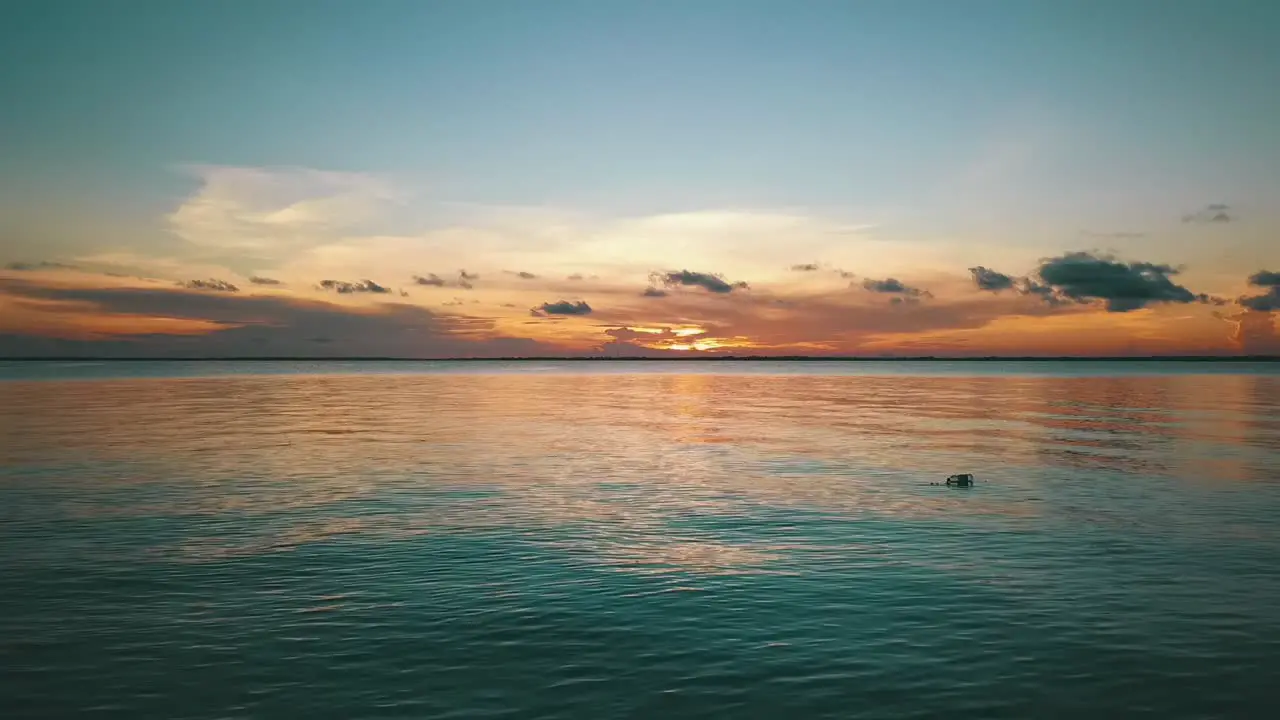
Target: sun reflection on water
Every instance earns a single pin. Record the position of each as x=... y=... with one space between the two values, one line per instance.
x=397 y=456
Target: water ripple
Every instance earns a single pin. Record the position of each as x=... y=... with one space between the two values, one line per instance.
x=635 y=544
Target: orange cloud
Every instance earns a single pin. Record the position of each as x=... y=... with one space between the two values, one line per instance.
x=953 y=318
x=78 y=320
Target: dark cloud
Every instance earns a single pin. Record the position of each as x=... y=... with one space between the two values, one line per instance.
x=564 y=307
x=1265 y=278
x=626 y=334
x=653 y=292
x=1266 y=302
x=1080 y=277
x=628 y=342
x=1050 y=296
x=523 y=275
x=896 y=287
x=890 y=285
x=1123 y=286
x=211 y=284
x=805 y=267
x=44 y=265
x=463 y=280
x=708 y=281
x=263 y=280
x=575 y=276
x=1211 y=213
x=823 y=322
x=845 y=274
x=261 y=326
x=994 y=281
x=346 y=288
x=988 y=279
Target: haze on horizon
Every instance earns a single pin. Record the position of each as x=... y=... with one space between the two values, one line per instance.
x=466 y=179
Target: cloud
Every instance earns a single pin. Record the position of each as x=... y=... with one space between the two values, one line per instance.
x=1268 y=301
x=1265 y=278
x=267 y=211
x=805 y=267
x=564 y=307
x=575 y=276
x=820 y=322
x=1256 y=332
x=990 y=280
x=1123 y=286
x=894 y=286
x=845 y=274
x=433 y=280
x=43 y=265
x=627 y=334
x=653 y=292
x=463 y=274
x=1211 y=213
x=710 y=282
x=256 y=280
x=346 y=288
x=211 y=284
x=994 y=281
x=195 y=324
x=1050 y=296
x=632 y=342
x=1082 y=277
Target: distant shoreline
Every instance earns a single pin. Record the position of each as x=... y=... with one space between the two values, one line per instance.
x=714 y=358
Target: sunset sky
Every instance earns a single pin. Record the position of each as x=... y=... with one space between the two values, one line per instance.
x=498 y=178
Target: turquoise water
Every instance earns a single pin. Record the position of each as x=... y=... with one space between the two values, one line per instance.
x=636 y=540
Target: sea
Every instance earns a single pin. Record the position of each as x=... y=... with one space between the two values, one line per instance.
x=543 y=539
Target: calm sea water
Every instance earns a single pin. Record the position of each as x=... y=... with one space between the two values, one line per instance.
x=639 y=540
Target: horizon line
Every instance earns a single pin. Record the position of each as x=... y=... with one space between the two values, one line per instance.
x=702 y=358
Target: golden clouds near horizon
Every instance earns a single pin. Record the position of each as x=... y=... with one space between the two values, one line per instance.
x=520 y=316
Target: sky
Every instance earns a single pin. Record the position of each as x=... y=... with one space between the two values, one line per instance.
x=489 y=178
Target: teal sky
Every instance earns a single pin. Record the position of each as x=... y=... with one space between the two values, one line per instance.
x=644 y=106
x=1022 y=127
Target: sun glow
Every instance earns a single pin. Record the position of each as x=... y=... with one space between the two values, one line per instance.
x=704 y=344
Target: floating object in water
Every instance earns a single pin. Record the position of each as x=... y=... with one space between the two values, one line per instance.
x=961 y=480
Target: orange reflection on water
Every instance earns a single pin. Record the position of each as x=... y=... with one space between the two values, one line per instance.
x=624 y=455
